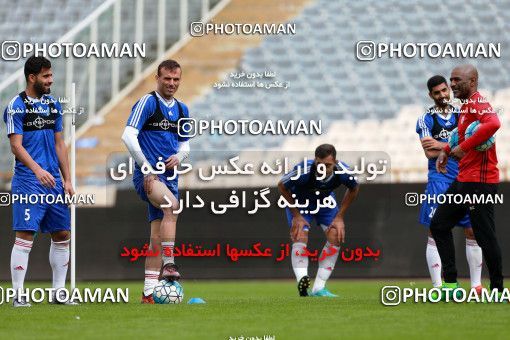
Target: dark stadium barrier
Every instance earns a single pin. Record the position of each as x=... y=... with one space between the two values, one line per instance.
x=378 y=219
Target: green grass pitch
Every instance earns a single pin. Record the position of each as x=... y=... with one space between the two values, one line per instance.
x=258 y=308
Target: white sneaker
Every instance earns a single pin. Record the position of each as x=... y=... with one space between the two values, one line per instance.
x=20 y=302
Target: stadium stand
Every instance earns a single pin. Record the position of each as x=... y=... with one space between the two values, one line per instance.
x=58 y=17
x=369 y=106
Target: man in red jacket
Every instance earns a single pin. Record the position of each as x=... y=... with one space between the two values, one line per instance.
x=478 y=175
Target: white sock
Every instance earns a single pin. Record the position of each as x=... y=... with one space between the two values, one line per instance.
x=19 y=261
x=151 y=280
x=326 y=267
x=59 y=262
x=168 y=252
x=475 y=260
x=434 y=262
x=299 y=263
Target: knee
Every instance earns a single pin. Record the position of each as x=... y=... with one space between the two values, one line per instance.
x=170 y=211
x=60 y=236
x=301 y=237
x=300 y=240
x=469 y=233
x=25 y=235
x=332 y=237
x=155 y=240
x=169 y=215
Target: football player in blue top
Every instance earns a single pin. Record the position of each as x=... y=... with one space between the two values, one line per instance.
x=305 y=182
x=34 y=127
x=434 y=128
x=153 y=135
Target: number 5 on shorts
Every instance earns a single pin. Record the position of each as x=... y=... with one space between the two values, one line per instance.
x=27 y=214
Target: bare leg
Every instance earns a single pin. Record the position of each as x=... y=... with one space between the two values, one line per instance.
x=153 y=263
x=159 y=194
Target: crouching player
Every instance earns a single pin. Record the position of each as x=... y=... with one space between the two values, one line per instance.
x=331 y=220
x=152 y=135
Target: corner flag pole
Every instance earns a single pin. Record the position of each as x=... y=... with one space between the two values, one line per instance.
x=73 y=181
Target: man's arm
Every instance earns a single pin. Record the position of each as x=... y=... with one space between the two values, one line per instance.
x=130 y=139
x=298 y=221
x=288 y=197
x=338 y=222
x=21 y=154
x=140 y=112
x=431 y=147
x=182 y=154
x=184 y=147
x=489 y=124
x=350 y=195
x=442 y=159
x=63 y=162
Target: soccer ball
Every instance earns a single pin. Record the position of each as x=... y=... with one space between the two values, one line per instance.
x=168 y=292
x=453 y=140
x=485 y=145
